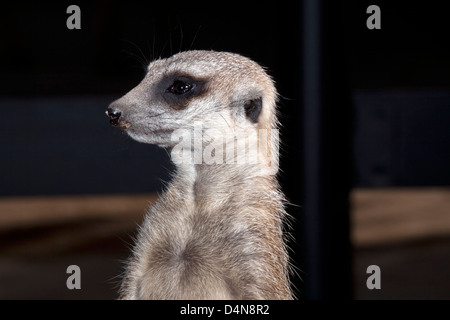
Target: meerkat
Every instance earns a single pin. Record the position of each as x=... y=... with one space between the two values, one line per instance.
x=218 y=230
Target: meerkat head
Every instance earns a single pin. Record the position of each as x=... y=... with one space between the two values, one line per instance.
x=219 y=90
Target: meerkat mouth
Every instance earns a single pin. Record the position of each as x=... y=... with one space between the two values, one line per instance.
x=123 y=125
x=120 y=124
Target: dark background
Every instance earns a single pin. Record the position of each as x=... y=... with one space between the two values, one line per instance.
x=386 y=105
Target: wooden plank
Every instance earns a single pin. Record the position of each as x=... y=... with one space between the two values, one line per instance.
x=381 y=216
x=22 y=211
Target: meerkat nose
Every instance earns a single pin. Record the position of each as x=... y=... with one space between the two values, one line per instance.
x=113 y=115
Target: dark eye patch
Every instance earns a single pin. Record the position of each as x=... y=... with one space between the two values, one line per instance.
x=179 y=89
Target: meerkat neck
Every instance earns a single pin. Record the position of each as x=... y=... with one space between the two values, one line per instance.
x=212 y=186
x=231 y=156
x=239 y=168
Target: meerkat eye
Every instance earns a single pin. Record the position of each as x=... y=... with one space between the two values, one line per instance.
x=177 y=89
x=180 y=87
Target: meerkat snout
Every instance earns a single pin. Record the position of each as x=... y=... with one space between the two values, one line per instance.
x=113 y=115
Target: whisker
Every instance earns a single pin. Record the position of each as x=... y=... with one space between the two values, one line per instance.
x=195 y=37
x=181 y=34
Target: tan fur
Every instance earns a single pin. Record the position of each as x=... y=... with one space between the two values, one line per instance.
x=217 y=231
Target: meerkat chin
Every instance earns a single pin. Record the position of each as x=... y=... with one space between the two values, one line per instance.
x=217 y=232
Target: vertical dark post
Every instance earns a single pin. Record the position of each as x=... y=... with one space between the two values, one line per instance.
x=326 y=142
x=312 y=111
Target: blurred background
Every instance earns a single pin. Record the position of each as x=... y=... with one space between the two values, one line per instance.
x=365 y=159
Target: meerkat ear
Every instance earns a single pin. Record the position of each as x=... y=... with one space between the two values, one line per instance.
x=253 y=109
